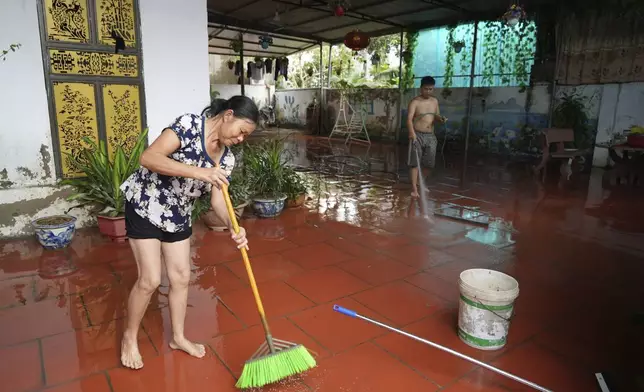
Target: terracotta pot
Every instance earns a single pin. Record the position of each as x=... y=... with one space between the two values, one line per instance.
x=112 y=227
x=297 y=202
x=211 y=220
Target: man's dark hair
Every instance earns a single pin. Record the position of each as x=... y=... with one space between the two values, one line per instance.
x=427 y=81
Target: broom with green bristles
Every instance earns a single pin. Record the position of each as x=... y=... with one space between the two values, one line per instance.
x=275 y=359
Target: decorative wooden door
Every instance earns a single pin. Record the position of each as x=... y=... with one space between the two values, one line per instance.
x=92 y=57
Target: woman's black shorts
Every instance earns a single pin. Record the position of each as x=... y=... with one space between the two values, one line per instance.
x=140 y=228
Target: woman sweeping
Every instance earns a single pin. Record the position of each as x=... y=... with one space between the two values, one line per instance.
x=176 y=169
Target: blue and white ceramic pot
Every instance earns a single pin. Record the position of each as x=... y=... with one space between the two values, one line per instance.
x=55 y=232
x=268 y=207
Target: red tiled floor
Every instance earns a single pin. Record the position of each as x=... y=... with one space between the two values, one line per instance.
x=205 y=318
x=175 y=371
x=326 y=284
x=80 y=353
x=315 y=256
x=236 y=348
x=400 y=302
x=278 y=298
x=350 y=371
x=378 y=269
x=14 y=292
x=553 y=372
x=272 y=266
x=448 y=291
x=571 y=258
x=334 y=331
x=95 y=383
x=21 y=367
x=306 y=235
x=45 y=318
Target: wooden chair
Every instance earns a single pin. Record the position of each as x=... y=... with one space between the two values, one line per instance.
x=557 y=136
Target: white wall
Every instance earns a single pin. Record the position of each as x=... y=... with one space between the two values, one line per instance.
x=260 y=94
x=27 y=172
x=25 y=137
x=175 y=67
x=620 y=109
x=175 y=59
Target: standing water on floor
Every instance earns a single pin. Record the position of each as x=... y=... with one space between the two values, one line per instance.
x=424 y=197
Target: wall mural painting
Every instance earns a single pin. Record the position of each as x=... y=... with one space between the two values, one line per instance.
x=116 y=17
x=70 y=62
x=122 y=116
x=76 y=118
x=290 y=113
x=67 y=20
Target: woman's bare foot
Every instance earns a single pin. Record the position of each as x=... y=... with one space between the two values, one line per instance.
x=415 y=195
x=130 y=355
x=194 y=349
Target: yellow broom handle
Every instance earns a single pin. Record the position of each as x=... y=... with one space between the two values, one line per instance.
x=249 y=270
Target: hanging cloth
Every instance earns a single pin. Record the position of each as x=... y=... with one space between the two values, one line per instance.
x=278 y=64
x=248 y=69
x=268 y=63
x=238 y=68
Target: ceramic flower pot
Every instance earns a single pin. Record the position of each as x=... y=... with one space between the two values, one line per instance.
x=296 y=202
x=269 y=207
x=55 y=232
x=113 y=227
x=213 y=222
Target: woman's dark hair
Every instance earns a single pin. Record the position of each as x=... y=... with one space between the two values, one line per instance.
x=242 y=107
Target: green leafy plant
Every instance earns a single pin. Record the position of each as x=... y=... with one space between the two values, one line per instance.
x=571 y=112
x=263 y=164
x=5 y=52
x=239 y=190
x=411 y=41
x=294 y=185
x=101 y=183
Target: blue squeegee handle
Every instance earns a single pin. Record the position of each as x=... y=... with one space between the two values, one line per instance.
x=511 y=376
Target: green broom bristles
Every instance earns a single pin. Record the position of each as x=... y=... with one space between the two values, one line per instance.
x=275 y=367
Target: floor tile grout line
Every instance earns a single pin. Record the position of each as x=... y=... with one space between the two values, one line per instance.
x=223 y=303
x=43 y=372
x=296 y=325
x=108 y=379
x=221 y=361
x=413 y=369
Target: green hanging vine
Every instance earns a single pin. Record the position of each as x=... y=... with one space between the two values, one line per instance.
x=466 y=55
x=411 y=41
x=506 y=52
x=449 y=63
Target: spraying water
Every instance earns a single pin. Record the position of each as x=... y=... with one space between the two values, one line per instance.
x=424 y=197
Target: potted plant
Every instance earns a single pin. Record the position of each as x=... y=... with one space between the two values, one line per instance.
x=101 y=183
x=295 y=189
x=239 y=196
x=263 y=165
x=231 y=64
x=55 y=232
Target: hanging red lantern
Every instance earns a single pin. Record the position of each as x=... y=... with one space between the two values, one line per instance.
x=356 y=40
x=339 y=11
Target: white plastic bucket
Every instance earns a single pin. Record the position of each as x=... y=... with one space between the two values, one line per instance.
x=485 y=307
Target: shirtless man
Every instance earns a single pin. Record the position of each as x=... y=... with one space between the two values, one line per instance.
x=423 y=111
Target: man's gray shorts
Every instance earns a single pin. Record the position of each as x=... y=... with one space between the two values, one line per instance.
x=426 y=143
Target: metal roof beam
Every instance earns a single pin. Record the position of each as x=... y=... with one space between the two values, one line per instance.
x=234 y=24
x=257 y=43
x=249 y=50
x=386 y=17
x=333 y=16
x=456 y=19
x=241 y=7
x=354 y=15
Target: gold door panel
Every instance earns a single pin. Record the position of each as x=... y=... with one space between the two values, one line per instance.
x=67 y=20
x=75 y=106
x=72 y=62
x=122 y=116
x=116 y=16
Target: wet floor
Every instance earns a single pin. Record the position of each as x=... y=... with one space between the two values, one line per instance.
x=360 y=242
